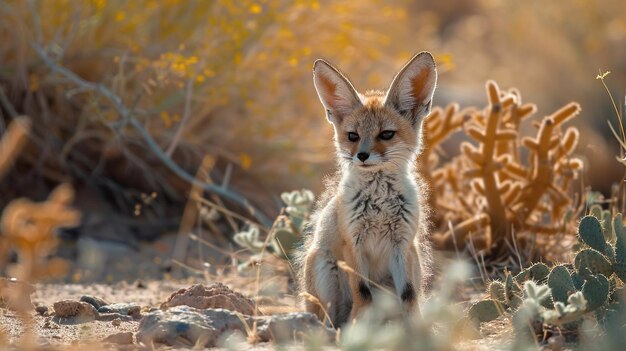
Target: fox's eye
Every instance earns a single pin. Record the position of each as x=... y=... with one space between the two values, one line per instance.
x=353 y=136
x=386 y=134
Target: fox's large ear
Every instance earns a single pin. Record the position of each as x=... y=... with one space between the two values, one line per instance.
x=335 y=91
x=411 y=91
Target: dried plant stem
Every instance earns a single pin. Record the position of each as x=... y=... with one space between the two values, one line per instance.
x=601 y=76
x=191 y=210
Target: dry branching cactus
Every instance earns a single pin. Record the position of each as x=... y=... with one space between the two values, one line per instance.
x=489 y=190
x=28 y=227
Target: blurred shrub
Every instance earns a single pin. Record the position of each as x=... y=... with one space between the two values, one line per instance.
x=233 y=75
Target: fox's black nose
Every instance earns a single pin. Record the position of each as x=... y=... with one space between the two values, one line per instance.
x=362 y=156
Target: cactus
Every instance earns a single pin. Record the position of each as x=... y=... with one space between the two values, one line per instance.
x=585 y=290
x=620 y=238
x=249 y=239
x=596 y=291
x=591 y=233
x=537 y=272
x=561 y=284
x=596 y=211
x=286 y=231
x=485 y=311
x=298 y=207
x=285 y=238
x=578 y=280
x=620 y=270
x=497 y=291
x=574 y=310
x=508 y=282
x=590 y=261
x=290 y=224
x=536 y=293
x=607 y=226
x=518 y=196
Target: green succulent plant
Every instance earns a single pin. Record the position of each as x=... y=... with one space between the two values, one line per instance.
x=291 y=223
x=249 y=239
x=605 y=240
x=286 y=231
x=537 y=272
x=587 y=288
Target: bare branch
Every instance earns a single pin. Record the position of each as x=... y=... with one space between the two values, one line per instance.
x=127 y=118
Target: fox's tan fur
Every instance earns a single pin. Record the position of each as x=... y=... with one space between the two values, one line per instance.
x=372 y=216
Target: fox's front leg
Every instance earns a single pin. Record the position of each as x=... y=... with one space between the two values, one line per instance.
x=328 y=284
x=404 y=269
x=359 y=283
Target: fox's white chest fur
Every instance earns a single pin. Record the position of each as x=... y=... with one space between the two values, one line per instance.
x=381 y=215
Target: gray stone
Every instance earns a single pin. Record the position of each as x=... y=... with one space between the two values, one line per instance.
x=206 y=326
x=126 y=309
x=94 y=301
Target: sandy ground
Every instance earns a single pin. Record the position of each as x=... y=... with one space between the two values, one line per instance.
x=272 y=289
x=53 y=332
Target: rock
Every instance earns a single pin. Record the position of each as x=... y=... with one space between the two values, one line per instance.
x=116 y=322
x=124 y=338
x=206 y=326
x=94 y=301
x=216 y=295
x=80 y=311
x=42 y=310
x=125 y=309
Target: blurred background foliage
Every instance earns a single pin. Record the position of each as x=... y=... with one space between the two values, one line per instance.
x=233 y=80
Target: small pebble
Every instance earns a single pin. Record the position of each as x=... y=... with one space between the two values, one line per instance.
x=41 y=310
x=129 y=309
x=116 y=322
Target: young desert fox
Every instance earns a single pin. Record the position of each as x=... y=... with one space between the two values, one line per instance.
x=372 y=217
